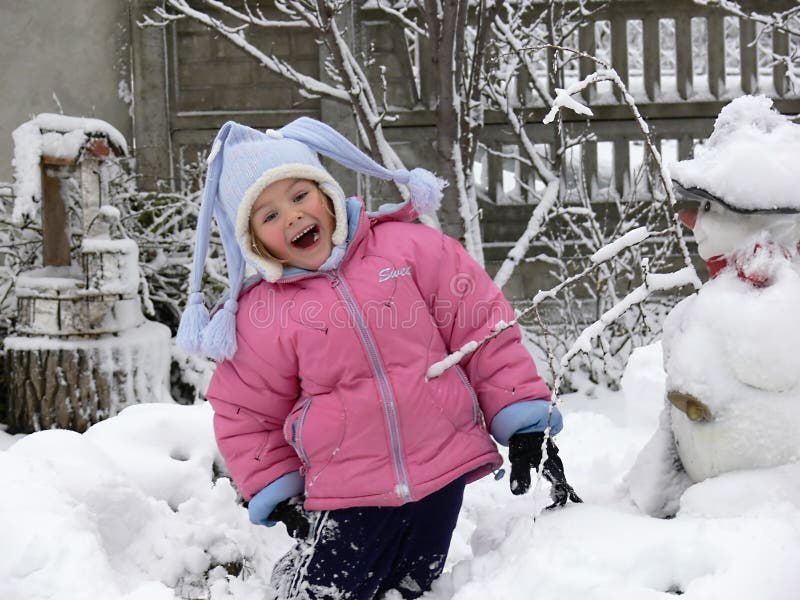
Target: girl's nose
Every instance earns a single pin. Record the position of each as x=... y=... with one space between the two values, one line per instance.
x=294 y=215
x=688 y=216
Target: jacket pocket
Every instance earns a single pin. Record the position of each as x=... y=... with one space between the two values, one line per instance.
x=315 y=429
x=262 y=423
x=456 y=400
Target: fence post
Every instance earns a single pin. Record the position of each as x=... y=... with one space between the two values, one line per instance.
x=651 y=43
x=622 y=161
x=780 y=46
x=715 y=26
x=685 y=147
x=684 y=70
x=589 y=166
x=586 y=66
x=494 y=175
x=619 y=51
x=748 y=65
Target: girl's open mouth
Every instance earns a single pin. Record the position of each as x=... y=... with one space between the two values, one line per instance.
x=306 y=238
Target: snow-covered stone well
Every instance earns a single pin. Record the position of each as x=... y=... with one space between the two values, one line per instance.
x=82 y=349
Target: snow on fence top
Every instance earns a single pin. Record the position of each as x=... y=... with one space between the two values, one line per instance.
x=57 y=136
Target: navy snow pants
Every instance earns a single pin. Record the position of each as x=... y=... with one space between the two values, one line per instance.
x=361 y=553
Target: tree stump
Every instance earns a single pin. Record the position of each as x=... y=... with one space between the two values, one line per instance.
x=72 y=384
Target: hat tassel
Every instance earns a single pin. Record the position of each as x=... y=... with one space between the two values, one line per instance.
x=193 y=321
x=219 y=337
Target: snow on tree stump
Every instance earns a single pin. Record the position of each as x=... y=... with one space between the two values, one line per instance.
x=72 y=384
x=82 y=349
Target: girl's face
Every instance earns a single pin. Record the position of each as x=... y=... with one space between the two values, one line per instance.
x=294 y=222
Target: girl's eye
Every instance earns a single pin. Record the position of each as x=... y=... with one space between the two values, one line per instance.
x=300 y=197
x=270 y=216
x=707 y=206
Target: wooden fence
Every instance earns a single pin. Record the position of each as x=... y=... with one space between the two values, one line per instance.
x=681 y=61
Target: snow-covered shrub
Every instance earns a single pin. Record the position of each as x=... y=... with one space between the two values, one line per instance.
x=577 y=208
x=163 y=223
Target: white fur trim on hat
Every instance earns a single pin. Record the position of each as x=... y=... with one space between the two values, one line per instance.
x=271 y=269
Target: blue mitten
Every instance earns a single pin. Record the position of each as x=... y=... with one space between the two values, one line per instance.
x=261 y=506
x=263 y=511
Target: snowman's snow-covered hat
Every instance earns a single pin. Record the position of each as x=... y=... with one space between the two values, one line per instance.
x=748 y=164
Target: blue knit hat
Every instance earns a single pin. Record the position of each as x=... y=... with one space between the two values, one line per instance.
x=241 y=164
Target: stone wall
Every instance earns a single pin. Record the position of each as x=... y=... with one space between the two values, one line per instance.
x=70 y=57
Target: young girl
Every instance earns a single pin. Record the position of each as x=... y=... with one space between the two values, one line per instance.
x=323 y=412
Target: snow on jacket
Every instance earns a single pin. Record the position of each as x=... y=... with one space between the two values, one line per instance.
x=329 y=375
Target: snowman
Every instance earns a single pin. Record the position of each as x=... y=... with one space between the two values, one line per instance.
x=732 y=350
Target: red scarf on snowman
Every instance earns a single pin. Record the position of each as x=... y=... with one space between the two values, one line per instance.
x=757 y=266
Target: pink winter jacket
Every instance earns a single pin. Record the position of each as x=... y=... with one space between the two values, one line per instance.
x=329 y=375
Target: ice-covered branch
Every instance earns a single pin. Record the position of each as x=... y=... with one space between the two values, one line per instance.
x=519 y=47
x=518 y=127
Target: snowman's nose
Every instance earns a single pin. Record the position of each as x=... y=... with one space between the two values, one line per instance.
x=688 y=216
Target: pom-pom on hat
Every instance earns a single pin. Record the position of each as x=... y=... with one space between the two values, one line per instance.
x=241 y=164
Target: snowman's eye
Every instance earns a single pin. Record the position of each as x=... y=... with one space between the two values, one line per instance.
x=707 y=206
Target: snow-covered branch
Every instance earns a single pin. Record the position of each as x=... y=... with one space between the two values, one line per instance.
x=256 y=18
x=400 y=15
x=778 y=21
x=609 y=74
x=538 y=216
x=652 y=283
x=236 y=35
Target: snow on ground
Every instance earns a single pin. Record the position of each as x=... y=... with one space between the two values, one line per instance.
x=133 y=510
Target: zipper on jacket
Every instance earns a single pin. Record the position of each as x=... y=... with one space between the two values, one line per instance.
x=387 y=395
x=477 y=414
x=297 y=435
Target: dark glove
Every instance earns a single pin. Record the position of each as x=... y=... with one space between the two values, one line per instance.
x=525 y=453
x=290 y=512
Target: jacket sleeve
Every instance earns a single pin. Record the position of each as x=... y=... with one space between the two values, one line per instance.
x=252 y=397
x=467 y=306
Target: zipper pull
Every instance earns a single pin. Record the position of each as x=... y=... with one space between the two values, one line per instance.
x=334 y=280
